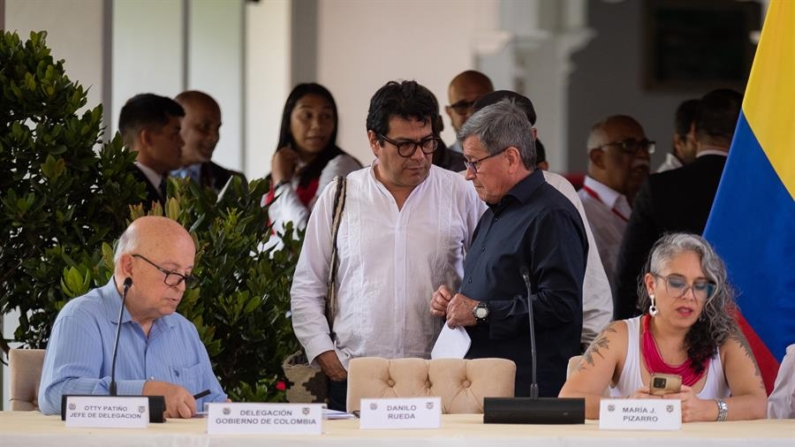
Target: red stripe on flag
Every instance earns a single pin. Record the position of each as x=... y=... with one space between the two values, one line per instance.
x=768 y=365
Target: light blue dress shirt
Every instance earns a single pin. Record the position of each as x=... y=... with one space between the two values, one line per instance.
x=80 y=351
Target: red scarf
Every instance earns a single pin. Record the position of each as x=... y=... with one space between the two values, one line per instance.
x=655 y=363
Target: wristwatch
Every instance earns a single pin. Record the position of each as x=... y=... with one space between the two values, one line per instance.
x=481 y=312
x=723 y=410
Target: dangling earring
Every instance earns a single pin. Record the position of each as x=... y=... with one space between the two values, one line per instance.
x=653 y=308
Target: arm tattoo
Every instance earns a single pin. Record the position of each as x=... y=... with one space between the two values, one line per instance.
x=737 y=335
x=601 y=342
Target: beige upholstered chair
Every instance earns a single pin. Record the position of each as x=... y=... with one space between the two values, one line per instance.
x=462 y=384
x=24 y=366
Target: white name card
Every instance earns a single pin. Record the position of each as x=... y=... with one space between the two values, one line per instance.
x=640 y=414
x=107 y=412
x=423 y=412
x=254 y=418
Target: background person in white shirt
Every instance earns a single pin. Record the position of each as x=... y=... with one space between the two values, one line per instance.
x=781 y=403
x=405 y=228
x=618 y=163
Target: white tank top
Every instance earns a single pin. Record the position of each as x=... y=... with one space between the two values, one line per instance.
x=630 y=380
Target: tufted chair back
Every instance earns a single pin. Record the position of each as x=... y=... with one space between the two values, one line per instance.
x=462 y=384
x=24 y=367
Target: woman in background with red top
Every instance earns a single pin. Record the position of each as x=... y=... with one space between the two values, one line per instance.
x=687 y=329
x=307 y=157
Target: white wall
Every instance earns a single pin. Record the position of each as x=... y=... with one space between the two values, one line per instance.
x=147 y=50
x=267 y=80
x=74 y=33
x=364 y=44
x=215 y=66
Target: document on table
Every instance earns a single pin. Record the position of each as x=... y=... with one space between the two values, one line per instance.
x=451 y=344
x=336 y=414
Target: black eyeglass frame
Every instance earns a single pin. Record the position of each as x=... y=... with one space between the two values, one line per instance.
x=710 y=291
x=625 y=146
x=189 y=280
x=473 y=165
x=414 y=144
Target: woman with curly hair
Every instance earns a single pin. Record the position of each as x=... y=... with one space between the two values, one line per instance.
x=688 y=329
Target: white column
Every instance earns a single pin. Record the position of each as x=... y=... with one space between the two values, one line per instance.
x=267 y=80
x=215 y=66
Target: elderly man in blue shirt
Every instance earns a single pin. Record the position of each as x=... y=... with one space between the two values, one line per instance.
x=528 y=224
x=160 y=353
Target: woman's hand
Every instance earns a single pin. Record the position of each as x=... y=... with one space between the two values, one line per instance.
x=643 y=393
x=283 y=165
x=693 y=408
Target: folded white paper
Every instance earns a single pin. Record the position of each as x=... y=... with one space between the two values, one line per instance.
x=451 y=344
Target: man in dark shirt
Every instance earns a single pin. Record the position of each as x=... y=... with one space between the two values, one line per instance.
x=528 y=224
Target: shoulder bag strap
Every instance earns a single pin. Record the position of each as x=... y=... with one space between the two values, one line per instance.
x=331 y=295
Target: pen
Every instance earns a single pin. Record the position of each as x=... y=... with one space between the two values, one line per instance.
x=202 y=394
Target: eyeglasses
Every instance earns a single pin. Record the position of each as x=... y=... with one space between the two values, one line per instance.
x=462 y=107
x=677 y=287
x=473 y=165
x=407 y=148
x=172 y=279
x=631 y=146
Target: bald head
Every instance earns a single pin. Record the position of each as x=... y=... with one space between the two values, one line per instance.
x=151 y=235
x=200 y=126
x=157 y=255
x=464 y=90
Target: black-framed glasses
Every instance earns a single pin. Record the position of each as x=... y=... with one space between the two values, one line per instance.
x=172 y=279
x=407 y=148
x=462 y=107
x=473 y=165
x=677 y=287
x=631 y=146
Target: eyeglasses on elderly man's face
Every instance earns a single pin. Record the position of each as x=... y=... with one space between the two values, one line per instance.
x=630 y=146
x=677 y=287
x=473 y=164
x=172 y=279
x=407 y=148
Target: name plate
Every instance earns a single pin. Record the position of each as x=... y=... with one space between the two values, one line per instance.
x=423 y=412
x=107 y=411
x=255 y=418
x=640 y=414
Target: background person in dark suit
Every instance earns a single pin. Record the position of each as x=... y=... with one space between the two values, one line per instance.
x=678 y=200
x=150 y=125
x=201 y=131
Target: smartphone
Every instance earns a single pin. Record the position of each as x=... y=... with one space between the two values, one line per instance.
x=662 y=384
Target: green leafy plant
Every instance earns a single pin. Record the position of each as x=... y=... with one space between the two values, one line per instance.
x=241 y=304
x=62 y=204
x=59 y=199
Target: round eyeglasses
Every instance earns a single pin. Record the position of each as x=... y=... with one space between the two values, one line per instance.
x=677 y=287
x=407 y=148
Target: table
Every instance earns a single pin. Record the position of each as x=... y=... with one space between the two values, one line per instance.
x=32 y=429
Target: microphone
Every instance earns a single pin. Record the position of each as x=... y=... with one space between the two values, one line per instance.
x=157 y=404
x=112 y=387
x=533 y=410
x=534 y=380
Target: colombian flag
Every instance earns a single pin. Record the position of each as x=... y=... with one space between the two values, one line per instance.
x=752 y=223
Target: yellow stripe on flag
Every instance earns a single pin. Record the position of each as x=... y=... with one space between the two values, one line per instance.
x=769 y=103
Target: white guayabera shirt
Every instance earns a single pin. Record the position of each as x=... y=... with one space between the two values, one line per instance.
x=391 y=262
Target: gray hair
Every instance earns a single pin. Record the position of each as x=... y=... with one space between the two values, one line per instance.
x=718 y=312
x=127 y=243
x=502 y=125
